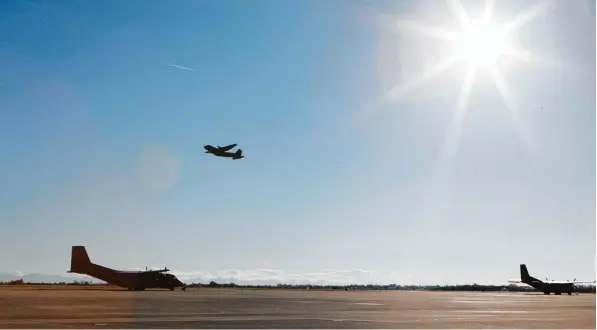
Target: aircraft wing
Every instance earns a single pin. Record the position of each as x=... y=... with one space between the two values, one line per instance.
x=567 y=282
x=142 y=272
x=156 y=271
x=519 y=281
x=153 y=271
x=573 y=282
x=226 y=148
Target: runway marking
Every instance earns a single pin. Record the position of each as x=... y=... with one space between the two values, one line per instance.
x=495 y=301
x=499 y=312
x=368 y=303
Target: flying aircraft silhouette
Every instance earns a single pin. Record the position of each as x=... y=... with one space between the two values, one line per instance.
x=223 y=151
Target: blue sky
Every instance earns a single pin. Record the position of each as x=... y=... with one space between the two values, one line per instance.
x=101 y=142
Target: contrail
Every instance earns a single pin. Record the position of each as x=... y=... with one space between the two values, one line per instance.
x=180 y=67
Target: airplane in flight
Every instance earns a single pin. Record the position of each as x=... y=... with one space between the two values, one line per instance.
x=547 y=287
x=223 y=151
x=132 y=280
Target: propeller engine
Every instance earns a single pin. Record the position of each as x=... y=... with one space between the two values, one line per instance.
x=572 y=285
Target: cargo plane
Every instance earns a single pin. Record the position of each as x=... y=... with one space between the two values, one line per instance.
x=132 y=280
x=547 y=287
x=223 y=151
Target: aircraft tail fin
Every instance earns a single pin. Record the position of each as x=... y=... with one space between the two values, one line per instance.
x=79 y=260
x=238 y=154
x=524 y=272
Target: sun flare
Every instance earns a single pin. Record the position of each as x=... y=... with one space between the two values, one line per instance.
x=480 y=41
x=481 y=44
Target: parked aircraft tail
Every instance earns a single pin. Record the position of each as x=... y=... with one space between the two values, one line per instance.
x=524 y=273
x=79 y=260
x=525 y=277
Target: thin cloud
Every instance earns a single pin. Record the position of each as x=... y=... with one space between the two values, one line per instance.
x=273 y=276
x=180 y=67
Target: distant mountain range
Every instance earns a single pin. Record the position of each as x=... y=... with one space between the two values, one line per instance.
x=70 y=278
x=43 y=278
x=241 y=277
x=46 y=278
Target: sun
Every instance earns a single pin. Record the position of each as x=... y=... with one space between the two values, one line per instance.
x=482 y=43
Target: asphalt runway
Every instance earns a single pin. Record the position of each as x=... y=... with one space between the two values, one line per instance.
x=232 y=308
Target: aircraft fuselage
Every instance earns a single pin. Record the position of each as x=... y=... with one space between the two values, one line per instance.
x=546 y=287
x=223 y=152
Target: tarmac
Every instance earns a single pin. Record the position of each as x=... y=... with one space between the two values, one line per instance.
x=250 y=309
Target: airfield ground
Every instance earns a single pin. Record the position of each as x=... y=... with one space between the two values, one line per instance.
x=51 y=307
